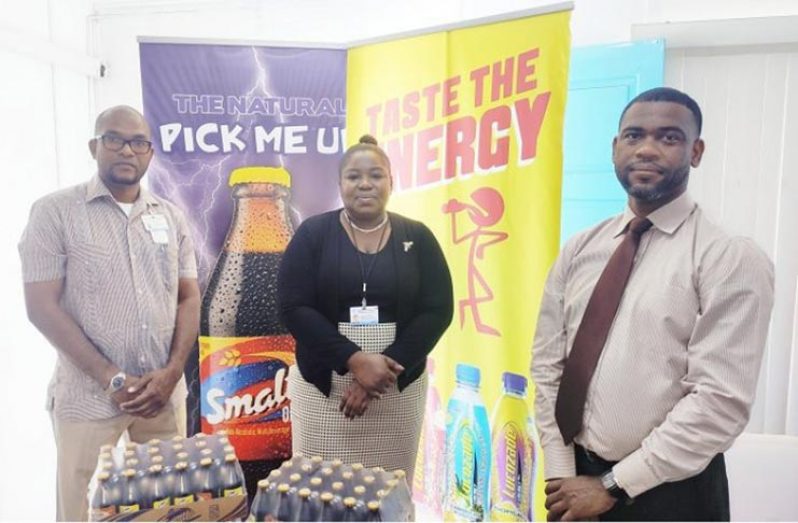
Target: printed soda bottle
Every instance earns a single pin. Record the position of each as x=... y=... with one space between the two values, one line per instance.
x=245 y=351
x=129 y=494
x=182 y=493
x=231 y=481
x=203 y=481
x=350 y=510
x=157 y=492
x=468 y=458
x=512 y=453
x=105 y=501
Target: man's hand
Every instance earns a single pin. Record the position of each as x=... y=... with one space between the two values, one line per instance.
x=124 y=395
x=375 y=372
x=572 y=499
x=151 y=393
x=355 y=400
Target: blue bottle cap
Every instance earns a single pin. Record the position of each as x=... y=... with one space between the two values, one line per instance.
x=467 y=374
x=514 y=383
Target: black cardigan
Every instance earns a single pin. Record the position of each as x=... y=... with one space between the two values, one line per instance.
x=308 y=296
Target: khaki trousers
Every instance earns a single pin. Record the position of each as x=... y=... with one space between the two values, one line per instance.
x=78 y=446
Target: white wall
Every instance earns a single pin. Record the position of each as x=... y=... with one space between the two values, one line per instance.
x=46 y=105
x=48 y=100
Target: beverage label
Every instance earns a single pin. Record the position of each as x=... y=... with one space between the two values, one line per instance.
x=184 y=500
x=230 y=492
x=204 y=496
x=510 y=487
x=160 y=503
x=244 y=385
x=465 y=498
x=125 y=509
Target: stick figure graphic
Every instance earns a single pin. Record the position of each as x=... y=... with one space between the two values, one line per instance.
x=486 y=211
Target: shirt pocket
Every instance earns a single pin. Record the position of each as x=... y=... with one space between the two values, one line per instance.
x=88 y=273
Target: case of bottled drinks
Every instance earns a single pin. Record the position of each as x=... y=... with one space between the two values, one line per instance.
x=181 y=479
x=312 y=489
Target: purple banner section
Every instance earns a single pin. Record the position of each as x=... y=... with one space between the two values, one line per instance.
x=213 y=108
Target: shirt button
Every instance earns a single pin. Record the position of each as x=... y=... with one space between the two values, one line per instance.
x=141 y=359
x=140 y=291
x=143 y=325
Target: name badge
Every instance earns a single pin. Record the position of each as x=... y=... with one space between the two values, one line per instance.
x=155 y=222
x=160 y=237
x=364 y=315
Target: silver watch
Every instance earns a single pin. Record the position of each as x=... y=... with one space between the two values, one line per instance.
x=609 y=483
x=116 y=384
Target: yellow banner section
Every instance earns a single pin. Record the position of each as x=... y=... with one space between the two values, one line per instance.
x=472 y=121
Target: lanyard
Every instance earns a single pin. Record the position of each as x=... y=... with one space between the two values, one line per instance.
x=364 y=274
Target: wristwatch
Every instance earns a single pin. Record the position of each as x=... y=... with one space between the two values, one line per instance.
x=116 y=384
x=615 y=490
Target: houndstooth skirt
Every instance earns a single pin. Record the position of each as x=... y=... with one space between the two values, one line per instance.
x=386 y=435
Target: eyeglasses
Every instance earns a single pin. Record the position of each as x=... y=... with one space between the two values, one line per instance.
x=116 y=144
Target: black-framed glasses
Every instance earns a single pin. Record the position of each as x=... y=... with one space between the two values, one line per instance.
x=116 y=143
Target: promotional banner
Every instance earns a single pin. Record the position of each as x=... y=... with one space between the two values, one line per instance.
x=248 y=140
x=472 y=120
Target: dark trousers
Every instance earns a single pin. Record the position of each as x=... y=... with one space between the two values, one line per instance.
x=704 y=497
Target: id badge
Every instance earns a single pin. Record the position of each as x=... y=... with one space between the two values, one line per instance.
x=160 y=237
x=155 y=222
x=364 y=315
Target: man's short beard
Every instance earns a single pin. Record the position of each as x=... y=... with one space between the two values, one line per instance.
x=658 y=191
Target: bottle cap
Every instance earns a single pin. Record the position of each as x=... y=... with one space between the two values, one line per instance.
x=200 y=435
x=132 y=463
x=304 y=493
x=326 y=471
x=103 y=476
x=315 y=482
x=326 y=497
x=336 y=463
x=206 y=462
x=350 y=502
x=316 y=460
x=106 y=448
x=338 y=485
x=357 y=467
x=282 y=488
x=368 y=480
x=181 y=465
x=259 y=174
x=263 y=484
x=360 y=490
x=275 y=474
x=129 y=473
x=347 y=475
x=206 y=452
x=306 y=468
x=399 y=474
x=229 y=449
x=154 y=441
x=514 y=383
x=200 y=444
x=182 y=456
x=130 y=454
x=229 y=458
x=467 y=374
x=294 y=478
x=156 y=469
x=130 y=445
x=373 y=505
x=153 y=450
x=156 y=460
x=177 y=438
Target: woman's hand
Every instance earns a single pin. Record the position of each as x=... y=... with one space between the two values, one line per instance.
x=374 y=372
x=355 y=400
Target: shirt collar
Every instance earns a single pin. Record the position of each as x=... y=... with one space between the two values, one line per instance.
x=667 y=218
x=98 y=189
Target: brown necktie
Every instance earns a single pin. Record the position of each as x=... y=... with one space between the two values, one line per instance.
x=592 y=332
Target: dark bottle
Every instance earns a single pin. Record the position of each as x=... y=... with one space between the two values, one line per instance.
x=309 y=505
x=182 y=492
x=350 y=510
x=288 y=506
x=373 y=511
x=129 y=494
x=266 y=503
x=105 y=501
x=332 y=508
x=231 y=481
x=158 y=494
x=203 y=481
x=245 y=349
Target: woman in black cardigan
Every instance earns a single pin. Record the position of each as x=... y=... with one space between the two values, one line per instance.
x=367 y=294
